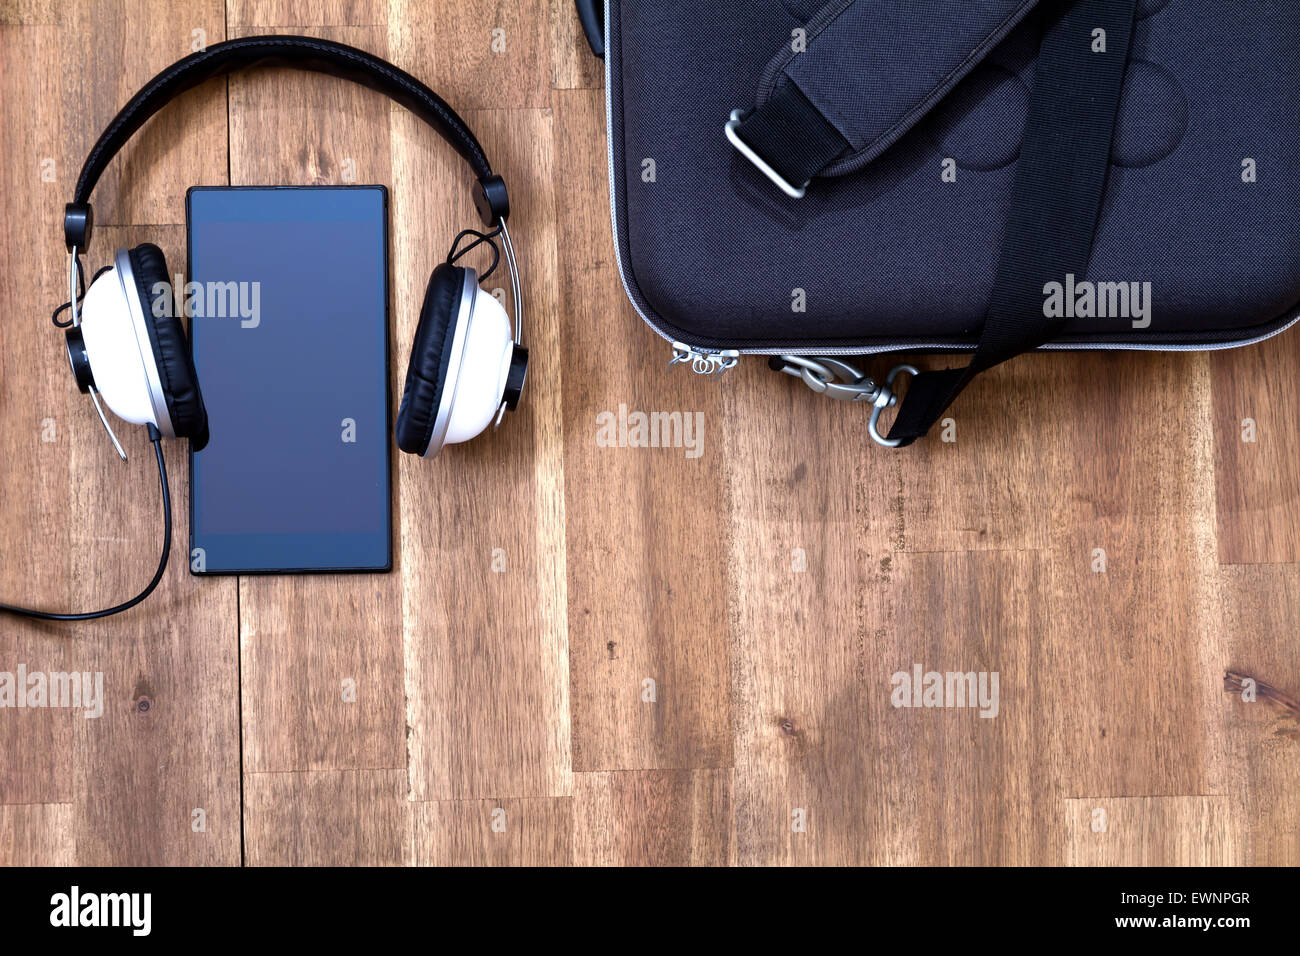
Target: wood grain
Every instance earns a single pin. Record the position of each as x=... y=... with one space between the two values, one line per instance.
x=615 y=655
x=1260 y=622
x=1256 y=432
x=1150 y=831
x=572 y=65
x=326 y=818
x=654 y=818
x=41 y=414
x=488 y=54
x=991 y=478
x=512 y=832
x=167 y=744
x=306 y=16
x=1136 y=640
x=484 y=612
x=644 y=541
x=185 y=143
x=155 y=778
x=37 y=834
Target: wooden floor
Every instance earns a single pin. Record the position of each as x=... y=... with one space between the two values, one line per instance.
x=602 y=655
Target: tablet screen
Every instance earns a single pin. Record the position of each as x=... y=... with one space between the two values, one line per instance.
x=287 y=302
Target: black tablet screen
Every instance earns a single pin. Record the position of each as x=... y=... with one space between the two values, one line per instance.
x=287 y=298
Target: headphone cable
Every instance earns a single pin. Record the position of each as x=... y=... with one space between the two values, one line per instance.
x=154 y=436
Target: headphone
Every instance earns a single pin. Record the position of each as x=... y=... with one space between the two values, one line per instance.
x=126 y=348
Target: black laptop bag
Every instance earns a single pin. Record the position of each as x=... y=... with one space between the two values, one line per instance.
x=814 y=182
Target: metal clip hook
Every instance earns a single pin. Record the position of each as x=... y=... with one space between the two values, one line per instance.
x=886 y=398
x=831 y=377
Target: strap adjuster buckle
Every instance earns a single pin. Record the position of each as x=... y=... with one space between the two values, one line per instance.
x=794 y=192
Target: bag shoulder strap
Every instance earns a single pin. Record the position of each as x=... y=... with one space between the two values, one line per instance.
x=859 y=76
x=1056 y=199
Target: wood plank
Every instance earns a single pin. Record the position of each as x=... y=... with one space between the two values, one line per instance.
x=183 y=145
x=41 y=414
x=814 y=517
x=647 y=583
x=828 y=770
x=476 y=54
x=483 y=523
x=1115 y=409
x=1255 y=434
x=1136 y=650
x=653 y=818
x=800 y=464
x=1151 y=831
x=972 y=785
x=305 y=15
x=329 y=818
x=1261 y=619
x=37 y=834
x=573 y=66
x=1048 y=439
x=30 y=12
x=533 y=831
x=291 y=127
x=304 y=637
x=1134 y=660
x=830 y=605
x=993 y=484
x=322 y=674
x=167 y=744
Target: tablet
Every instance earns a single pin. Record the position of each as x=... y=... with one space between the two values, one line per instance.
x=287 y=302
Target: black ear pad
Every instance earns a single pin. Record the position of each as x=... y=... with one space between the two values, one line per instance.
x=171 y=348
x=426 y=373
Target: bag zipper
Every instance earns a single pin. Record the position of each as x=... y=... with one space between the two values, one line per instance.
x=703 y=361
x=721 y=359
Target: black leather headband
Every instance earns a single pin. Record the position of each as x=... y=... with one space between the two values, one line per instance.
x=303 y=53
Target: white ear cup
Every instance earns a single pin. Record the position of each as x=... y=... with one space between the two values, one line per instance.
x=117 y=361
x=477 y=384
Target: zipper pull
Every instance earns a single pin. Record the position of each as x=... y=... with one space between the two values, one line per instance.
x=703 y=361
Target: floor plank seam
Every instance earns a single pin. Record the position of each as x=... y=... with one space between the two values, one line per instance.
x=260 y=773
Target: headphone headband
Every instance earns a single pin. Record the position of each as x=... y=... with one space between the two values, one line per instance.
x=297 y=52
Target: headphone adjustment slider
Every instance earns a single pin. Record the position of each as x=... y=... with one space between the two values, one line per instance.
x=78 y=221
x=491 y=201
